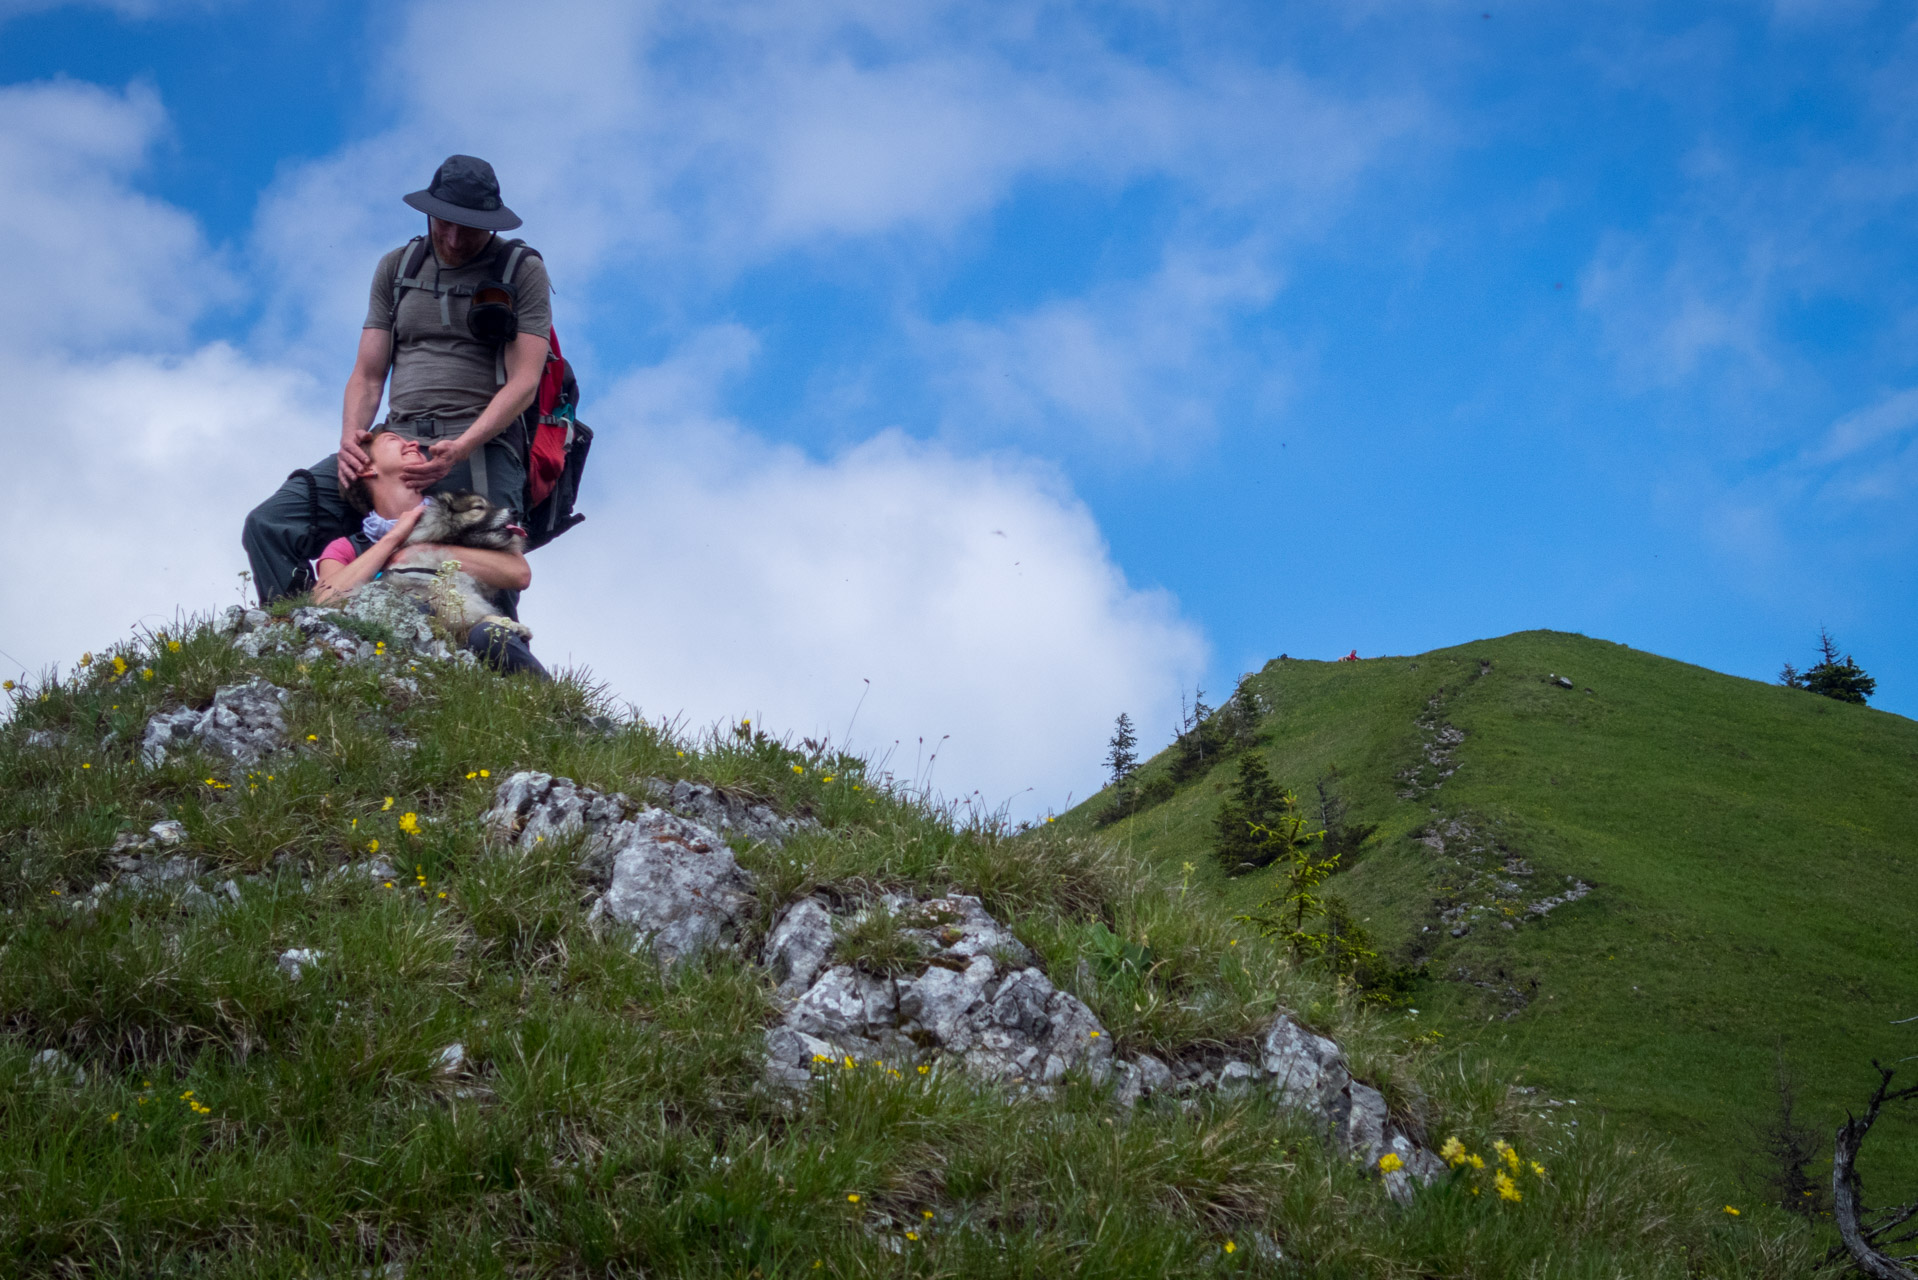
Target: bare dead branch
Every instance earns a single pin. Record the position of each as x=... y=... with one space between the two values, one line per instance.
x=1864 y=1231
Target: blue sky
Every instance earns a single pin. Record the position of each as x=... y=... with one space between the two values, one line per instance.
x=1029 y=361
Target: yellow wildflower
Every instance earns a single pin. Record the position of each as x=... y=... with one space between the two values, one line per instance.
x=173 y=646
x=853 y=1198
x=1390 y=1162
x=146 y=673
x=312 y=737
x=1733 y=1212
x=410 y=823
x=924 y=1070
x=373 y=845
x=1475 y=1160
x=1453 y=1152
x=486 y=773
x=827 y=778
x=471 y=775
x=8 y=685
x=86 y=766
x=1229 y=1246
x=86 y=659
x=1538 y=1170
x=926 y=1214
x=799 y=768
x=114 y=1118
x=1507 y=1189
x=119 y=665
x=387 y=805
x=1093 y=1035
x=912 y=1235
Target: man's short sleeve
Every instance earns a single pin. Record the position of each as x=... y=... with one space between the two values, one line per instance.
x=379 y=303
x=535 y=303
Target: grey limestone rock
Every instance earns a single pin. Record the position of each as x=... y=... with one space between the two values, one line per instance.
x=296 y=961
x=51 y=1064
x=167 y=731
x=726 y=812
x=245 y=723
x=1307 y=1072
x=674 y=882
x=978 y=998
x=531 y=808
x=797 y=948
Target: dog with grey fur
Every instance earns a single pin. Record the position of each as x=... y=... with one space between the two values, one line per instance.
x=456 y=519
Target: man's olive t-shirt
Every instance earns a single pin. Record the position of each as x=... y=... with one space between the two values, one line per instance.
x=440 y=370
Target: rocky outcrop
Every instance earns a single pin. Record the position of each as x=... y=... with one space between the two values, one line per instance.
x=973 y=993
x=673 y=882
x=245 y=723
x=313 y=633
x=729 y=811
x=1308 y=1073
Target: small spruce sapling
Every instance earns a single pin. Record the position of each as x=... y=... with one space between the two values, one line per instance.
x=1122 y=756
x=1302 y=867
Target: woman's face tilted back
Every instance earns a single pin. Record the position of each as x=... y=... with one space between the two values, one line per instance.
x=390 y=452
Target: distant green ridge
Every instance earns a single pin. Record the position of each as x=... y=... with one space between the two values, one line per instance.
x=1752 y=852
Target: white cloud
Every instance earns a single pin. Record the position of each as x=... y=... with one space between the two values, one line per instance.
x=719 y=576
x=1132 y=369
x=100 y=264
x=1892 y=416
x=124 y=493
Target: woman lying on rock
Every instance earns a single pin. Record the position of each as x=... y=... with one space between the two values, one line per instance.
x=454 y=551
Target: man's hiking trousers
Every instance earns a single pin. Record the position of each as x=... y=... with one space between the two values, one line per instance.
x=284 y=534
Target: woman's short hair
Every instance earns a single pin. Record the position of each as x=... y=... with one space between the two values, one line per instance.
x=359 y=494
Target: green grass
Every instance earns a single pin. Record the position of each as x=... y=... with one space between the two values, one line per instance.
x=1753 y=852
x=610 y=1117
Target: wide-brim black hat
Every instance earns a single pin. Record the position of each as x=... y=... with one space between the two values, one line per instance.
x=466 y=192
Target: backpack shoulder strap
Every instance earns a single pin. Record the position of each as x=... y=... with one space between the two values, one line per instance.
x=507 y=258
x=406 y=273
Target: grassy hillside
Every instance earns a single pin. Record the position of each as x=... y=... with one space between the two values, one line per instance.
x=173 y=1102
x=1752 y=853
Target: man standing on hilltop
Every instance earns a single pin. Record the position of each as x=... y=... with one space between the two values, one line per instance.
x=461 y=320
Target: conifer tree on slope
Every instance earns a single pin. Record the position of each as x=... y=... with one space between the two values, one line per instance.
x=1831 y=676
x=1122 y=757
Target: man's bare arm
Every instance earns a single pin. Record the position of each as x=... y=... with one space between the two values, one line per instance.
x=363 y=388
x=506 y=569
x=525 y=359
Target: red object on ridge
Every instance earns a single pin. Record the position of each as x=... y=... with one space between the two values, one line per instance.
x=1351 y=657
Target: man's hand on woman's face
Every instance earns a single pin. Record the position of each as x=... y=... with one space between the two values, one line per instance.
x=354 y=458
x=429 y=466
